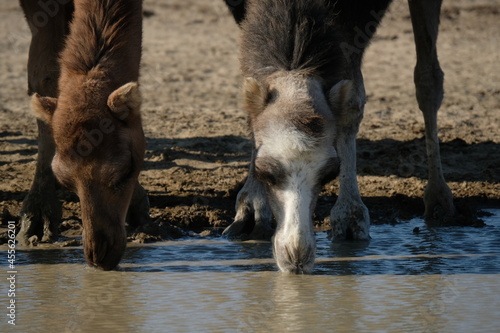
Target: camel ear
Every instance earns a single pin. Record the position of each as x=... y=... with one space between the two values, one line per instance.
x=125 y=101
x=43 y=107
x=341 y=94
x=254 y=95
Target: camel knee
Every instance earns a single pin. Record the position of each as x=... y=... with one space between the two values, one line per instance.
x=348 y=98
x=43 y=67
x=49 y=25
x=429 y=86
x=44 y=84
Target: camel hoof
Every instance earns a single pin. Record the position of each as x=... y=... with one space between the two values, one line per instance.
x=439 y=207
x=350 y=220
x=40 y=220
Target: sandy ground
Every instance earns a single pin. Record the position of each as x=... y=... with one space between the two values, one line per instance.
x=198 y=148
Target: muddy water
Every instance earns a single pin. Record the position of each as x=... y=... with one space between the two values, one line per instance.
x=436 y=280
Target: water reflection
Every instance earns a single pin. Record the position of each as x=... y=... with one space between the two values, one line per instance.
x=438 y=280
x=393 y=250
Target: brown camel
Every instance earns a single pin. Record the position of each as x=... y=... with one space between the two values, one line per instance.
x=83 y=76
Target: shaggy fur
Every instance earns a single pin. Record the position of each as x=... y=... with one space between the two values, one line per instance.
x=96 y=122
x=289 y=35
x=105 y=36
x=305 y=96
x=303 y=35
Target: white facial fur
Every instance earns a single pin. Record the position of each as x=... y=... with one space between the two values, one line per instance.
x=291 y=162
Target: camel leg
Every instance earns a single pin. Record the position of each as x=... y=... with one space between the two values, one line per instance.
x=253 y=214
x=138 y=211
x=349 y=216
x=41 y=210
x=428 y=78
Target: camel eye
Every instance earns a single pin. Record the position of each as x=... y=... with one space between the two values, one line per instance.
x=120 y=184
x=265 y=177
x=119 y=181
x=269 y=171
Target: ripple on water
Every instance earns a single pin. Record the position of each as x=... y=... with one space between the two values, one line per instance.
x=393 y=249
x=437 y=280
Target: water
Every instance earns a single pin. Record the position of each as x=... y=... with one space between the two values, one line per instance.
x=437 y=280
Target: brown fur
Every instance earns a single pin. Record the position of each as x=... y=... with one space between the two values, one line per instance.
x=96 y=125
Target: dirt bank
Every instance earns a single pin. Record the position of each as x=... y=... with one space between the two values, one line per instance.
x=198 y=148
